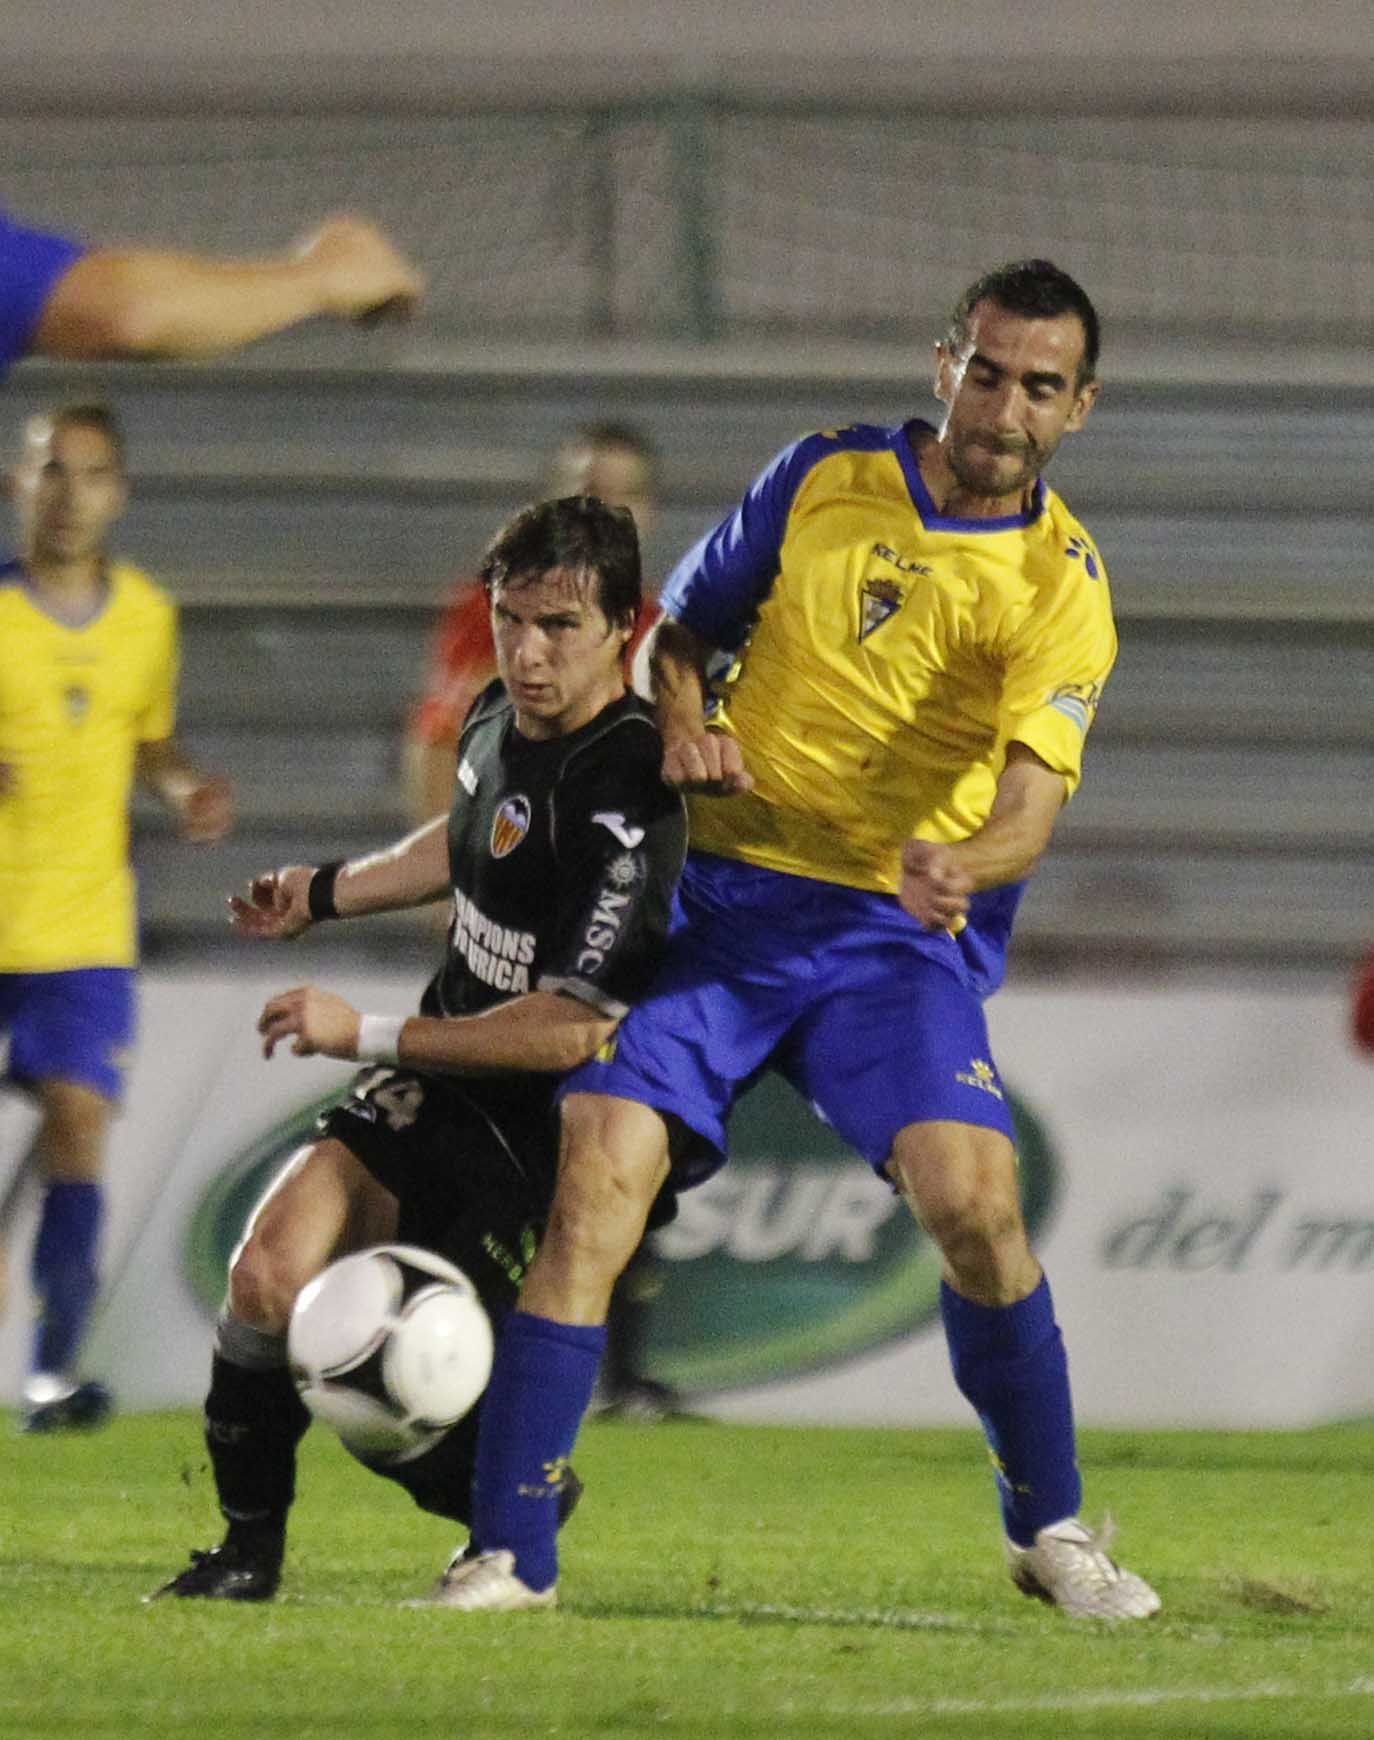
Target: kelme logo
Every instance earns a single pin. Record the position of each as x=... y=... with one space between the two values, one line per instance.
x=792 y=1258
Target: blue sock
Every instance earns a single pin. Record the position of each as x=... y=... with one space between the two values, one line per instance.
x=1009 y=1361
x=540 y=1386
x=64 y=1272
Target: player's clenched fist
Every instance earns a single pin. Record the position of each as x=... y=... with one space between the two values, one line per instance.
x=317 y=1022
x=708 y=762
x=362 y=275
x=206 y=812
x=934 y=889
x=278 y=904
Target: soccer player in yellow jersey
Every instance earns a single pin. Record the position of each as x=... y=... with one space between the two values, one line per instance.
x=920 y=632
x=88 y=666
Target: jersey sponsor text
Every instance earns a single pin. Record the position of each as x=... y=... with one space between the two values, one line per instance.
x=495 y=954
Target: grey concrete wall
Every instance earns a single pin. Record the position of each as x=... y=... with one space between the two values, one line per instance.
x=1238 y=52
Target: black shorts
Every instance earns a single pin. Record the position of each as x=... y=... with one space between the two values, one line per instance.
x=471 y=1170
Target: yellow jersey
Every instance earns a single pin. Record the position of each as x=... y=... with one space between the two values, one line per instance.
x=75 y=702
x=885 y=655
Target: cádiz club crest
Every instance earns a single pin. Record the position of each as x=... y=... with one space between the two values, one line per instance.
x=879 y=600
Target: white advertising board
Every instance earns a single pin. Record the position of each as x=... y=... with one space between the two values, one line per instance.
x=1204 y=1206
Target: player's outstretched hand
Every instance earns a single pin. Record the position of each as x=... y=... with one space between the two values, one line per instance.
x=934 y=889
x=362 y=274
x=708 y=762
x=322 y=1024
x=278 y=904
x=207 y=811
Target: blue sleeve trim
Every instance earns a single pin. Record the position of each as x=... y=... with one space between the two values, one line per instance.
x=717 y=587
x=31 y=262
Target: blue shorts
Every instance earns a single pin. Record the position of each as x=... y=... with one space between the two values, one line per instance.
x=873 y=1019
x=72 y=1026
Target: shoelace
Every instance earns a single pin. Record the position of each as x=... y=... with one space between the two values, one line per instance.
x=1090 y=1560
x=477 y=1572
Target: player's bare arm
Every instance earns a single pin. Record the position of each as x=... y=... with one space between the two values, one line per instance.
x=147 y=302
x=411 y=873
x=544 y=1032
x=695 y=758
x=202 y=803
x=939 y=878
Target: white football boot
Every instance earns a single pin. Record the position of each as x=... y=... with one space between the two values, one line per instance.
x=1069 y=1567
x=485 y=1583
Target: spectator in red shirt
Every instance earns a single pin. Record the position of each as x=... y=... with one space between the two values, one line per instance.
x=610 y=460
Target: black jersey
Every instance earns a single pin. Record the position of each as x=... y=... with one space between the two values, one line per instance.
x=563 y=855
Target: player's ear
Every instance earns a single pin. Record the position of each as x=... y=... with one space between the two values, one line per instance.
x=1084 y=400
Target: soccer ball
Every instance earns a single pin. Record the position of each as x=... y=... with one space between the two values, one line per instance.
x=390 y=1346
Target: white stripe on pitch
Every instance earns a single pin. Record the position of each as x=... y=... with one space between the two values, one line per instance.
x=1071 y=1702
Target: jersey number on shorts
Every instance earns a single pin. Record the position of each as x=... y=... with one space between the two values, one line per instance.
x=400 y=1098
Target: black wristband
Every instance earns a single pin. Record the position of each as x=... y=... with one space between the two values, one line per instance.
x=320 y=895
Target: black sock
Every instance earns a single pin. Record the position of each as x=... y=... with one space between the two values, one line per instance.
x=254 y=1420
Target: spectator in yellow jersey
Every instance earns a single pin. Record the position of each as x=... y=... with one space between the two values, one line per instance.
x=921 y=631
x=88 y=669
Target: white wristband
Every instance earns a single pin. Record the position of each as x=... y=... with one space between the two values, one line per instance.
x=378 y=1038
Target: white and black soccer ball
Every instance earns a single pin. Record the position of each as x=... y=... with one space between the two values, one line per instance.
x=390 y=1346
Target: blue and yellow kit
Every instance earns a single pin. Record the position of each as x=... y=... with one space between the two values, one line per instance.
x=885 y=656
x=75 y=702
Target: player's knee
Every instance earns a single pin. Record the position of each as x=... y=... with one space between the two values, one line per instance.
x=598 y=1217
x=972 y=1219
x=72 y=1137
x=265 y=1276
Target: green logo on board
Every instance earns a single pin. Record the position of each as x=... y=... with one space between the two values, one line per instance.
x=794 y=1257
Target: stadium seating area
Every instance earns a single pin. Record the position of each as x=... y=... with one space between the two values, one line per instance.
x=310 y=515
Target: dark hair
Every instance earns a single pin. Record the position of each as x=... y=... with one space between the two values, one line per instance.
x=1036 y=290
x=91 y=414
x=578 y=532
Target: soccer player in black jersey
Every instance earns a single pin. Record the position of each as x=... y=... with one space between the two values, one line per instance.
x=560 y=854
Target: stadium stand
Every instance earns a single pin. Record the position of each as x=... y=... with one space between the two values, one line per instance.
x=663 y=264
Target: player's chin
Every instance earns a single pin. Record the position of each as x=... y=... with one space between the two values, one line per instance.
x=993 y=470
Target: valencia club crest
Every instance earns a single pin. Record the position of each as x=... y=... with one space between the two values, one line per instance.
x=510 y=824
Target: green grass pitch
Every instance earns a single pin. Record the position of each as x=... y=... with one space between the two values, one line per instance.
x=718 y=1581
